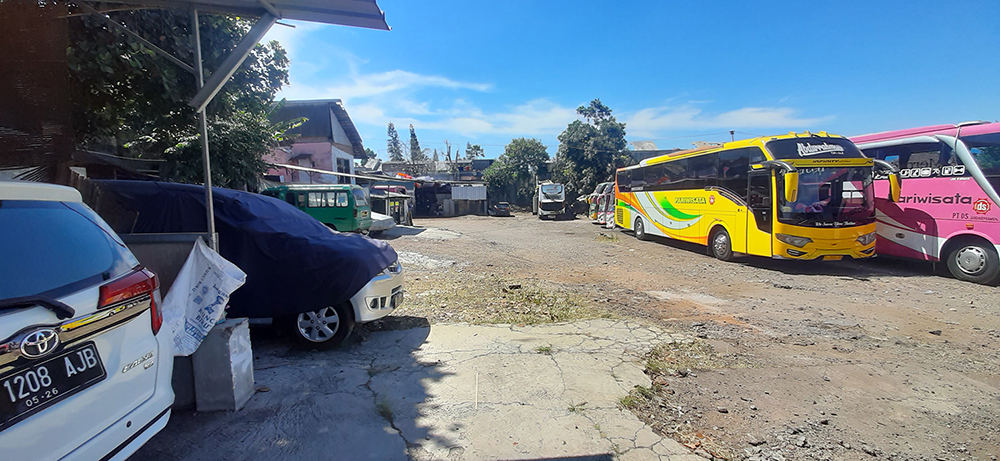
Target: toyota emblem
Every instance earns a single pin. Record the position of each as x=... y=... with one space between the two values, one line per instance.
x=39 y=343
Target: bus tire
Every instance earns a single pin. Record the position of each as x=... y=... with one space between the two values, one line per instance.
x=640 y=232
x=720 y=245
x=973 y=260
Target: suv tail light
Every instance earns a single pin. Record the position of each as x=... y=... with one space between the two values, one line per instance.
x=140 y=282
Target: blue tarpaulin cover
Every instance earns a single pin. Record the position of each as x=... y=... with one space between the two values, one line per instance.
x=293 y=262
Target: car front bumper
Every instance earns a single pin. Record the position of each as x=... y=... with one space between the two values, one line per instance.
x=379 y=297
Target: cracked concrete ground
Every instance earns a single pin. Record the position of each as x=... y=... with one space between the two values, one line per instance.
x=441 y=392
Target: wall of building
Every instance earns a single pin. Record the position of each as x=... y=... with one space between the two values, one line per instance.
x=318 y=155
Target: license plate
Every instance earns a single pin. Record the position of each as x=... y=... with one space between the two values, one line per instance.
x=37 y=386
x=833 y=258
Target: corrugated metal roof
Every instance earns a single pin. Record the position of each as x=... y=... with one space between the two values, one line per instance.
x=356 y=13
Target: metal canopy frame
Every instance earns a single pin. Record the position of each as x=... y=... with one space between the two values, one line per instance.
x=355 y=13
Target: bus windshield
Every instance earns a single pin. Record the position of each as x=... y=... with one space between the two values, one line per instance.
x=986 y=150
x=551 y=188
x=830 y=197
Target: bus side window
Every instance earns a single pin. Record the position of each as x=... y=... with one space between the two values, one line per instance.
x=315 y=199
x=331 y=199
x=760 y=191
x=301 y=199
x=652 y=176
x=342 y=200
x=734 y=166
x=624 y=181
x=290 y=197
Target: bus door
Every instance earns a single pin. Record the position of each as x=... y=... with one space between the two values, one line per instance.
x=760 y=205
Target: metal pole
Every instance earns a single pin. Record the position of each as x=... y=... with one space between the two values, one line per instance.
x=200 y=81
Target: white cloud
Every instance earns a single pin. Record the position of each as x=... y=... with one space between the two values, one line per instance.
x=538 y=117
x=651 y=121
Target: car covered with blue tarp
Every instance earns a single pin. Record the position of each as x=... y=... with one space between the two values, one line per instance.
x=298 y=270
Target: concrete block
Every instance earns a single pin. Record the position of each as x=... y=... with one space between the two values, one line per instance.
x=223 y=367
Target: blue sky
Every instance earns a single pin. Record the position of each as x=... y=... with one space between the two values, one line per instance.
x=674 y=72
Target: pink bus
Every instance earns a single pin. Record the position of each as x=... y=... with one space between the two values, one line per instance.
x=948 y=206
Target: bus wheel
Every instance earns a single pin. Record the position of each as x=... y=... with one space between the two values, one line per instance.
x=322 y=329
x=640 y=233
x=973 y=261
x=720 y=245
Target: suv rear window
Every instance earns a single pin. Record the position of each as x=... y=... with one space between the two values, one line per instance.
x=56 y=248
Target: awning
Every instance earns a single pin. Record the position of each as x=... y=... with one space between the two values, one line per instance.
x=357 y=13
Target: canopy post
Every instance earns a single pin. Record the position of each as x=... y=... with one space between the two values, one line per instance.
x=232 y=62
x=213 y=240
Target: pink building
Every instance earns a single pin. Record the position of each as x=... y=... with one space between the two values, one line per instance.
x=327 y=141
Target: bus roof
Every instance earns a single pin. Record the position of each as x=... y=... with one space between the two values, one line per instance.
x=758 y=141
x=968 y=129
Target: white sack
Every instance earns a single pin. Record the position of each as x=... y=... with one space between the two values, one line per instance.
x=198 y=297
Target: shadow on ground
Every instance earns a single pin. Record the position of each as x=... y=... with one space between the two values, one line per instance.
x=880 y=266
x=351 y=403
x=399 y=231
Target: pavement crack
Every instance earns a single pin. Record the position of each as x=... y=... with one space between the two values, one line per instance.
x=385 y=411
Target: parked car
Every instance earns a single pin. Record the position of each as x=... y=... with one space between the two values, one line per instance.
x=381 y=223
x=500 y=209
x=314 y=282
x=83 y=373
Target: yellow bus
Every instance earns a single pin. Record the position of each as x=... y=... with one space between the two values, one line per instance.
x=795 y=196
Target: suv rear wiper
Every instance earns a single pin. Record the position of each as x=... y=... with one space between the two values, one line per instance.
x=62 y=310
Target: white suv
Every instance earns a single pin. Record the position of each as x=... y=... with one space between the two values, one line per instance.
x=83 y=374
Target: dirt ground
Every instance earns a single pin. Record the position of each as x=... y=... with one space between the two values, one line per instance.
x=879 y=359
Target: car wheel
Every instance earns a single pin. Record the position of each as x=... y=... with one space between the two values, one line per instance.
x=640 y=232
x=974 y=261
x=323 y=329
x=720 y=245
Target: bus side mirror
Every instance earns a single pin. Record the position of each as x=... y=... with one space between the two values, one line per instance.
x=894 y=187
x=791 y=186
x=894 y=181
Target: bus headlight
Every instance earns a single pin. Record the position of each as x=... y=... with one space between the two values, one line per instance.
x=793 y=240
x=867 y=239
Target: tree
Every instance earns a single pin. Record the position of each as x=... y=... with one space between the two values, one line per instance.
x=472 y=151
x=370 y=153
x=512 y=175
x=129 y=100
x=436 y=158
x=238 y=143
x=590 y=150
x=416 y=154
x=394 y=147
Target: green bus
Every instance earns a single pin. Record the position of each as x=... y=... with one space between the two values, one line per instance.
x=342 y=207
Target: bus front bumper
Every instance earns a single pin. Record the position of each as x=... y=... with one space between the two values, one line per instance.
x=824 y=250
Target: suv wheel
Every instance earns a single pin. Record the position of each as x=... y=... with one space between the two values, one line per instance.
x=322 y=329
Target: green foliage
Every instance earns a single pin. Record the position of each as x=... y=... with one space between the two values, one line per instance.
x=370 y=153
x=590 y=150
x=128 y=99
x=510 y=177
x=238 y=142
x=416 y=155
x=394 y=147
x=473 y=151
